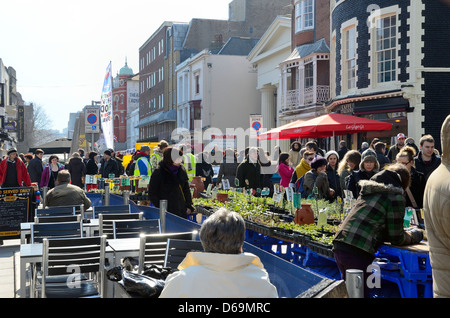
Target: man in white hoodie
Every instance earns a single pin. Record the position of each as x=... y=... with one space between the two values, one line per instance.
x=222 y=270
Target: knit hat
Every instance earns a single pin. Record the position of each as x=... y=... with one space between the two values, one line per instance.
x=11 y=150
x=318 y=162
x=331 y=152
x=145 y=148
x=369 y=155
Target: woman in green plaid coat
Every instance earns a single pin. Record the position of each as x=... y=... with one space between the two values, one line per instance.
x=376 y=217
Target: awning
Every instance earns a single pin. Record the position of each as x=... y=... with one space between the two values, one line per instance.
x=62 y=145
x=149 y=120
x=171 y=115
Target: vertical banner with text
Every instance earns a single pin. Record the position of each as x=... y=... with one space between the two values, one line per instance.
x=106 y=114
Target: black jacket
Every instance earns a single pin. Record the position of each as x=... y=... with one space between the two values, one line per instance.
x=164 y=185
x=417 y=188
x=250 y=172
x=35 y=169
x=91 y=167
x=426 y=167
x=77 y=170
x=108 y=167
x=335 y=182
x=382 y=160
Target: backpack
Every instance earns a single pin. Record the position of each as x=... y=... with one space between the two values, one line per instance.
x=299 y=188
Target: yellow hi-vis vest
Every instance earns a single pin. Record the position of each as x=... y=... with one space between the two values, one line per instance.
x=155 y=159
x=137 y=172
x=189 y=163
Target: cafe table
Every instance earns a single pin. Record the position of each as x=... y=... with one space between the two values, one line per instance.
x=116 y=250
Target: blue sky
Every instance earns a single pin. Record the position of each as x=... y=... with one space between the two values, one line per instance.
x=60 y=50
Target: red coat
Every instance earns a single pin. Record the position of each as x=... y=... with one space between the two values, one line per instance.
x=22 y=172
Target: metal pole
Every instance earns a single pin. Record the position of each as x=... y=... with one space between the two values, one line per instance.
x=107 y=195
x=44 y=194
x=354 y=283
x=126 y=197
x=162 y=214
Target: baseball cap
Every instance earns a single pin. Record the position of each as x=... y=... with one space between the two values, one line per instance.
x=401 y=135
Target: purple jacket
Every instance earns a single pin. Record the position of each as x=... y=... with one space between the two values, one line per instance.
x=46 y=174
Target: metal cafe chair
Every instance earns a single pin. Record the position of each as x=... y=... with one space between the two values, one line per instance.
x=56 y=211
x=131 y=228
x=57 y=219
x=39 y=231
x=105 y=221
x=80 y=260
x=96 y=210
x=177 y=250
x=152 y=247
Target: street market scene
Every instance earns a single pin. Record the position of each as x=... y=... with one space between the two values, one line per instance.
x=261 y=149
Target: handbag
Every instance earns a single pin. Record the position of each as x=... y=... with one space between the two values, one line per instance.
x=136 y=285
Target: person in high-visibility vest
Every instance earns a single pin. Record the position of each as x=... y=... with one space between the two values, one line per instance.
x=189 y=162
x=143 y=166
x=157 y=155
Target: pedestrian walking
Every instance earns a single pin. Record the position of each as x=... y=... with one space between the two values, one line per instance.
x=91 y=165
x=349 y=163
x=36 y=167
x=77 y=170
x=427 y=160
x=13 y=172
x=50 y=172
x=170 y=182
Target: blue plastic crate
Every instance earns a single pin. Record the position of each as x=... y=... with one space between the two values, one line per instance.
x=406 y=288
x=413 y=265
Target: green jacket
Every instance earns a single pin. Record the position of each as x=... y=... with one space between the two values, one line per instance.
x=67 y=194
x=377 y=216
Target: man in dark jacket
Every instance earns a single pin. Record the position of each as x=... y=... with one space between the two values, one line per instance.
x=35 y=166
x=426 y=160
x=380 y=148
x=342 y=149
x=109 y=165
x=249 y=171
x=394 y=150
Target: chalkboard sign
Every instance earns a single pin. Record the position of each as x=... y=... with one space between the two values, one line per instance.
x=16 y=206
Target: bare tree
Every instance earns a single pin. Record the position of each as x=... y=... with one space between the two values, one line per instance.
x=41 y=127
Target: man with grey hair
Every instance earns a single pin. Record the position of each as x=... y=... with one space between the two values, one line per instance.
x=223 y=270
x=64 y=193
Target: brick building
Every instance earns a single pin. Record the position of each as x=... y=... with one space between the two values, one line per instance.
x=390 y=62
x=305 y=74
x=174 y=42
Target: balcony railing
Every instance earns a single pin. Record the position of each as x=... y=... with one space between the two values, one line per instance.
x=293 y=99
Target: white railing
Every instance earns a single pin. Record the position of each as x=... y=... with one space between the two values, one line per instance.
x=291 y=99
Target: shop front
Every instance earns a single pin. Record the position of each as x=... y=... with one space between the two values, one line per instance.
x=389 y=109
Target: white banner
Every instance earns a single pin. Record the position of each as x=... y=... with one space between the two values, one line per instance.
x=106 y=113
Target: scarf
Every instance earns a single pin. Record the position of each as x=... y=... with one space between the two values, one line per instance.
x=302 y=168
x=174 y=169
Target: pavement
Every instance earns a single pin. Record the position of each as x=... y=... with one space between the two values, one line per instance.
x=9 y=268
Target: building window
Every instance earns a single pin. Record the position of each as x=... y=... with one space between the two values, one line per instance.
x=197 y=84
x=386 y=52
x=309 y=75
x=350 y=57
x=304 y=15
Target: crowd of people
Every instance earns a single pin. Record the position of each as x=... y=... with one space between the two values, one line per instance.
x=383 y=180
